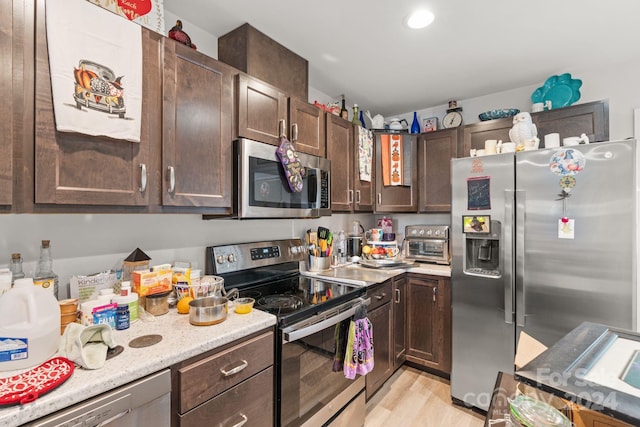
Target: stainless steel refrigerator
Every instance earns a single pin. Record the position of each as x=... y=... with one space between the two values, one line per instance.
x=541 y=241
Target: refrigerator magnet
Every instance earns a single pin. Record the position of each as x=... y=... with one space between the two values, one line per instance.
x=476 y=224
x=566 y=227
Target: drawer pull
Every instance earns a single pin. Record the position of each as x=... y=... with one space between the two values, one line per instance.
x=243 y=422
x=379 y=297
x=235 y=370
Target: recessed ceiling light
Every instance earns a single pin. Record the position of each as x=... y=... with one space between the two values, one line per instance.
x=420 y=19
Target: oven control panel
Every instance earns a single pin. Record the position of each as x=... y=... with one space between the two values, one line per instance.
x=266 y=252
x=242 y=256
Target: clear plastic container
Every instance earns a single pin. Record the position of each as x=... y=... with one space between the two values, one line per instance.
x=29 y=326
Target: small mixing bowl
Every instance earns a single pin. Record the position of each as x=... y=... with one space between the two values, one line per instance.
x=244 y=305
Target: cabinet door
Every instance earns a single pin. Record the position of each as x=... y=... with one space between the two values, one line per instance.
x=340 y=150
x=435 y=151
x=591 y=118
x=429 y=322
x=382 y=323
x=77 y=169
x=309 y=121
x=474 y=135
x=11 y=103
x=259 y=110
x=399 y=322
x=196 y=144
x=397 y=198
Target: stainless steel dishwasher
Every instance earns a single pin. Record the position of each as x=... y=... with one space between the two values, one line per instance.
x=144 y=402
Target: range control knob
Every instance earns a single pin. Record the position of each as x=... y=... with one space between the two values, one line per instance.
x=231 y=258
x=295 y=249
x=437 y=232
x=429 y=231
x=421 y=232
x=220 y=259
x=414 y=231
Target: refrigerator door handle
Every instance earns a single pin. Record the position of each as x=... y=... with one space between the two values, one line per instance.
x=520 y=279
x=507 y=261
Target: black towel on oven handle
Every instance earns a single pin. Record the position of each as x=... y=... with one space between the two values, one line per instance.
x=341 y=335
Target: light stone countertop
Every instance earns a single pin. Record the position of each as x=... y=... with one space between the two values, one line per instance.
x=356 y=274
x=181 y=340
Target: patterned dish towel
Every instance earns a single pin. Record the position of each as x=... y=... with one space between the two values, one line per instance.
x=359 y=354
x=365 y=153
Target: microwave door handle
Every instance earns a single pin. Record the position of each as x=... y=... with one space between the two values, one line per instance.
x=312 y=188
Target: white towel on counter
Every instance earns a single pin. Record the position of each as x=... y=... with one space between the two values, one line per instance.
x=86 y=345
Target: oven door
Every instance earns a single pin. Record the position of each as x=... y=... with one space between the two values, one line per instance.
x=263 y=190
x=313 y=390
x=431 y=250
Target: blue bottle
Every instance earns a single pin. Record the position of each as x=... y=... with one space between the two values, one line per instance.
x=362 y=120
x=415 y=125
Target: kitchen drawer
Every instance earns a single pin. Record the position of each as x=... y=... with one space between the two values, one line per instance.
x=379 y=294
x=249 y=403
x=206 y=378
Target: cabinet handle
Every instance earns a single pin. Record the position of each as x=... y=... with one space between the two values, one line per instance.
x=235 y=370
x=143 y=177
x=243 y=422
x=172 y=179
x=397 y=296
x=435 y=292
x=379 y=198
x=379 y=297
x=294 y=132
x=282 y=128
x=358 y=198
x=350 y=196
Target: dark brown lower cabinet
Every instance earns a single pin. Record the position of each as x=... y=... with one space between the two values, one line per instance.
x=429 y=322
x=381 y=318
x=230 y=386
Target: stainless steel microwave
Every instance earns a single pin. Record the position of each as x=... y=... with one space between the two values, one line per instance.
x=261 y=188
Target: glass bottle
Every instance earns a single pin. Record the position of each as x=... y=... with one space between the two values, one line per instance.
x=45 y=277
x=343 y=111
x=362 y=120
x=415 y=125
x=355 y=119
x=15 y=265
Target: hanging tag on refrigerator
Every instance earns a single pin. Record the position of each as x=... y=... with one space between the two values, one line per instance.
x=566 y=228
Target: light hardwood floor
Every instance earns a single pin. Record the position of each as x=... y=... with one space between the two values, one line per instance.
x=412 y=398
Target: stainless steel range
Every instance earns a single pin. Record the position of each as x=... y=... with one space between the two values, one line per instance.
x=309 y=390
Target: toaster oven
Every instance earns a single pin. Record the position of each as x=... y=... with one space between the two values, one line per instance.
x=427 y=243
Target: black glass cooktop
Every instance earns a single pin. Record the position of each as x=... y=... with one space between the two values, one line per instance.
x=293 y=297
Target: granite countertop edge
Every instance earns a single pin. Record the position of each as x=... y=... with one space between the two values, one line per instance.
x=180 y=341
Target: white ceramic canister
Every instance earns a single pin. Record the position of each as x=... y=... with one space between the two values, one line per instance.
x=29 y=326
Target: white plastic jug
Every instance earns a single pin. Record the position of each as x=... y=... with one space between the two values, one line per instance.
x=29 y=326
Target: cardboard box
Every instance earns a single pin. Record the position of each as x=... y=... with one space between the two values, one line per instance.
x=151 y=282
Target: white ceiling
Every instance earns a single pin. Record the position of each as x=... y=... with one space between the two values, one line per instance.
x=473 y=48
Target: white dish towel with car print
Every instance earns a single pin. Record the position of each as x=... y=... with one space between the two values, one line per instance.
x=95 y=60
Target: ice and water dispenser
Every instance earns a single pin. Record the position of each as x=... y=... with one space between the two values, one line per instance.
x=482 y=247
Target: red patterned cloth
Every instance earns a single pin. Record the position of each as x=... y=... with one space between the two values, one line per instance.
x=29 y=385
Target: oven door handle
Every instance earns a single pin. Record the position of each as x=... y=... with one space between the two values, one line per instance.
x=296 y=332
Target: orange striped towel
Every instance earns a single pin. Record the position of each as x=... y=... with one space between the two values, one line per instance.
x=397 y=156
x=386 y=166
